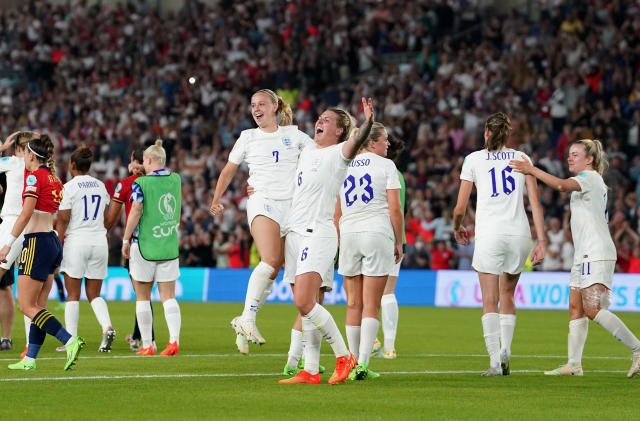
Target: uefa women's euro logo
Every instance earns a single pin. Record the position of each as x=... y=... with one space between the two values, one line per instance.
x=167 y=206
x=455 y=293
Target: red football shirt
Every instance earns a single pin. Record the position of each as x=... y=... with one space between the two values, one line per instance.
x=45 y=187
x=123 y=193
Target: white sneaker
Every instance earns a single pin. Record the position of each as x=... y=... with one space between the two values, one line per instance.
x=388 y=355
x=493 y=372
x=107 y=340
x=635 y=366
x=377 y=347
x=505 y=363
x=243 y=344
x=565 y=370
x=248 y=329
x=134 y=344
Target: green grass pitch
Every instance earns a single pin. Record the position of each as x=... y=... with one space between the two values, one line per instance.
x=441 y=354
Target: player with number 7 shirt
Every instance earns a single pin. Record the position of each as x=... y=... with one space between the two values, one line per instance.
x=503 y=235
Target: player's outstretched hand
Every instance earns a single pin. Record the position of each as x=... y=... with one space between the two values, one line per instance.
x=461 y=236
x=523 y=166
x=10 y=141
x=367 y=106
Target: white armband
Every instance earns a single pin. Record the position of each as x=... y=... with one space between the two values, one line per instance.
x=11 y=240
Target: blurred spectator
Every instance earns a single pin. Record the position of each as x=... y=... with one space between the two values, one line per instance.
x=442 y=256
x=117 y=77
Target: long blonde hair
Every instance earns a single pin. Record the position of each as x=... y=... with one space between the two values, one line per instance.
x=284 y=109
x=157 y=153
x=593 y=147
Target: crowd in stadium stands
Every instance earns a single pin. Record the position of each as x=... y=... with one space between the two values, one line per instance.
x=114 y=77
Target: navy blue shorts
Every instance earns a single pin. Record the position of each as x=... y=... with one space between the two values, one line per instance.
x=41 y=255
x=8 y=279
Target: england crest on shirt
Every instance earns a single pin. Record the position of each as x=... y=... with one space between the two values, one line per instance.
x=286 y=141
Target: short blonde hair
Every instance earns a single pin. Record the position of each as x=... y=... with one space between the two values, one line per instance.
x=156 y=152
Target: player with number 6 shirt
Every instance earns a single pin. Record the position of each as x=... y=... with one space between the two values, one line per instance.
x=312 y=239
x=503 y=235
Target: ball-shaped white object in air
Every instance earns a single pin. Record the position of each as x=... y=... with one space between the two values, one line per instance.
x=192 y=80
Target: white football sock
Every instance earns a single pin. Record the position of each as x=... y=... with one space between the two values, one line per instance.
x=618 y=329
x=258 y=283
x=389 y=306
x=322 y=320
x=369 y=331
x=99 y=306
x=353 y=339
x=507 y=326
x=491 y=329
x=27 y=328
x=145 y=321
x=312 y=341
x=578 y=330
x=295 y=348
x=71 y=316
x=172 y=315
x=265 y=294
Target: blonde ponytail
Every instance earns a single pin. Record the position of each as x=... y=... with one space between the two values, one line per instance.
x=593 y=147
x=284 y=109
x=286 y=114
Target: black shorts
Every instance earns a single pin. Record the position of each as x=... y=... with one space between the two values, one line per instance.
x=41 y=255
x=9 y=278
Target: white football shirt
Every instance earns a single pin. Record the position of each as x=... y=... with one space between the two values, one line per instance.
x=87 y=198
x=589 y=220
x=363 y=196
x=319 y=176
x=14 y=167
x=272 y=159
x=500 y=208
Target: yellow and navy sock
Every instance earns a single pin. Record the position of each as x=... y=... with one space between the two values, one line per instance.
x=48 y=323
x=36 y=339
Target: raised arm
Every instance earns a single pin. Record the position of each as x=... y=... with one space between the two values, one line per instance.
x=351 y=147
x=559 y=184
x=460 y=232
x=224 y=179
